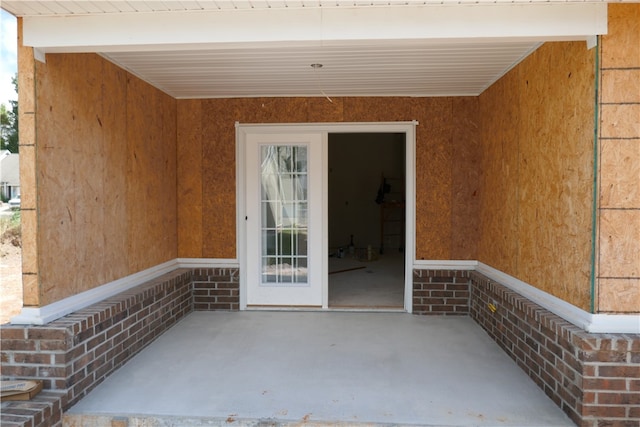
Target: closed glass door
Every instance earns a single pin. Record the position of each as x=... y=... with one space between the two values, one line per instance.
x=284 y=219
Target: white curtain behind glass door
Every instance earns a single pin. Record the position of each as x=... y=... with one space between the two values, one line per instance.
x=284 y=215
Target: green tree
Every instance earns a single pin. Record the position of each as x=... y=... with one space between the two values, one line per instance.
x=9 y=123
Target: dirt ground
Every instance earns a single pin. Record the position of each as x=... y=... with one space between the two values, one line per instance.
x=10 y=281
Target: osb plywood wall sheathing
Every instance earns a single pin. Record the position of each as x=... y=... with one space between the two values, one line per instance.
x=618 y=261
x=190 y=183
x=447 y=145
x=106 y=170
x=537 y=163
x=26 y=118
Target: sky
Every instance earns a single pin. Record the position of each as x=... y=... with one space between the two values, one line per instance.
x=8 y=57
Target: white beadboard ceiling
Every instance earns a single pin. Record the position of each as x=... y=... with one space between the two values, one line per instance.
x=422 y=69
x=363 y=51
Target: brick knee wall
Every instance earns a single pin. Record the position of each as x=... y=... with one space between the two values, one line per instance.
x=75 y=353
x=216 y=289
x=441 y=292
x=78 y=351
x=44 y=410
x=593 y=378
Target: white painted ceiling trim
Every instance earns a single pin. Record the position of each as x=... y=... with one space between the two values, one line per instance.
x=85 y=7
x=182 y=30
x=265 y=49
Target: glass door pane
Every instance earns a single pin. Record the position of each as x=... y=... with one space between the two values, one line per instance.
x=284 y=216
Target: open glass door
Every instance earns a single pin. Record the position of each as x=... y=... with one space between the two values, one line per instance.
x=284 y=226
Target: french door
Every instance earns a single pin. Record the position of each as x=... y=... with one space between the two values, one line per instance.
x=284 y=229
x=282 y=211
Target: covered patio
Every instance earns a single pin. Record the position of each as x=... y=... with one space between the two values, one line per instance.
x=141 y=236
x=285 y=368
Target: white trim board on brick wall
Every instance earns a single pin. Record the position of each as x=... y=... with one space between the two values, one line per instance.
x=595 y=323
x=58 y=309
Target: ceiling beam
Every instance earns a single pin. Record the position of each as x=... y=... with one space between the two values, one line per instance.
x=155 y=31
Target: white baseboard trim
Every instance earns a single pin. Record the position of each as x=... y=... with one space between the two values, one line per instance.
x=567 y=311
x=53 y=311
x=445 y=265
x=208 y=263
x=595 y=323
x=58 y=309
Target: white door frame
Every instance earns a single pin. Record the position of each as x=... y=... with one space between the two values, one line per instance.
x=408 y=128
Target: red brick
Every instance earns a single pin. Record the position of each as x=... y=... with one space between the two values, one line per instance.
x=24 y=411
x=604 y=356
x=580 y=340
x=143 y=312
x=602 y=411
x=589 y=370
x=619 y=398
x=619 y=423
x=32 y=358
x=445 y=294
x=202 y=306
x=51 y=372
x=604 y=384
x=82 y=362
x=614 y=344
x=440 y=308
x=103 y=348
x=619 y=371
x=105 y=369
x=12 y=333
x=567 y=396
x=76 y=352
x=96 y=364
x=35 y=333
x=56 y=345
x=588 y=397
x=57 y=384
x=634 y=412
x=18 y=345
x=18 y=371
x=571 y=361
x=20 y=420
x=96 y=341
x=433 y=301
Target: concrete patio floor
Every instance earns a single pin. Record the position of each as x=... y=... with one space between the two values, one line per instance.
x=318 y=368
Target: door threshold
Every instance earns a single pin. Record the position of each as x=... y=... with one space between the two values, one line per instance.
x=372 y=309
x=359 y=309
x=284 y=308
